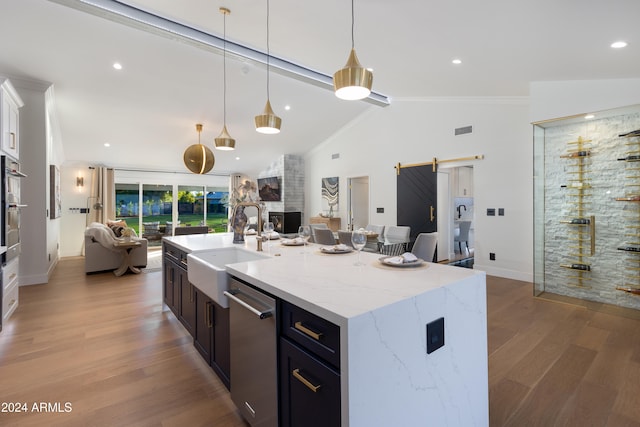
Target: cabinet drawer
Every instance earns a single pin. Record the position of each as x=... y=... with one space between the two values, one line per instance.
x=319 y=336
x=10 y=273
x=177 y=255
x=9 y=301
x=310 y=390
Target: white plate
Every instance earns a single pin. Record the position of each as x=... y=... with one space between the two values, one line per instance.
x=288 y=242
x=330 y=250
x=415 y=263
x=273 y=236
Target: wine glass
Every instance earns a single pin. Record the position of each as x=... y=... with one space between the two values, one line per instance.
x=268 y=229
x=304 y=232
x=358 y=240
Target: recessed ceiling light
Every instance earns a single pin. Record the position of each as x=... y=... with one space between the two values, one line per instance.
x=619 y=44
x=106 y=144
x=117 y=66
x=287 y=107
x=589 y=116
x=237 y=158
x=457 y=61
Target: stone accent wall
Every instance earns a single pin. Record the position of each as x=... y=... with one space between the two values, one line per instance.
x=609 y=179
x=290 y=170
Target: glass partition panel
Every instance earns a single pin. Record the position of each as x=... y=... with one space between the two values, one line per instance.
x=538 y=210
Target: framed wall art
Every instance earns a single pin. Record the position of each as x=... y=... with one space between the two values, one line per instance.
x=330 y=190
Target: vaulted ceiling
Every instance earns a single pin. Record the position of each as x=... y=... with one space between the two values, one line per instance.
x=148 y=110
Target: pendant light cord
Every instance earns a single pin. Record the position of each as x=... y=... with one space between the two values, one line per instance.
x=353 y=43
x=224 y=72
x=268 y=51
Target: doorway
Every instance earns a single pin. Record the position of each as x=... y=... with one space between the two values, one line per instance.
x=358 y=202
x=462 y=202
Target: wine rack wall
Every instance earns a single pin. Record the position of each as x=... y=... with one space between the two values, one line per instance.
x=581 y=229
x=631 y=214
x=591 y=239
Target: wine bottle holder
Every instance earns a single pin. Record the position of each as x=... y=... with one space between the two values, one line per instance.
x=630 y=248
x=582 y=226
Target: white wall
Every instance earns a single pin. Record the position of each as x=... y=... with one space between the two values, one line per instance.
x=72 y=221
x=39 y=235
x=416 y=130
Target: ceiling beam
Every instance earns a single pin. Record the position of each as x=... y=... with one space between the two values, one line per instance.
x=128 y=15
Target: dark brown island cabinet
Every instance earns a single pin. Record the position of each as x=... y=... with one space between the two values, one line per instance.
x=309 y=369
x=205 y=320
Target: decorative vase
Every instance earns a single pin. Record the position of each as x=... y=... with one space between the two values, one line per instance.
x=239 y=222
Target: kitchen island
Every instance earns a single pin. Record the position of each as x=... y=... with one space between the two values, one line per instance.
x=386 y=376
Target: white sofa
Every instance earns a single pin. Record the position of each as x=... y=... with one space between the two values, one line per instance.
x=101 y=255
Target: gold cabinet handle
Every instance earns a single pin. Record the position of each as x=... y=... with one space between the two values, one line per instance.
x=207 y=314
x=191 y=299
x=13 y=301
x=12 y=144
x=170 y=272
x=315 y=335
x=431 y=211
x=303 y=380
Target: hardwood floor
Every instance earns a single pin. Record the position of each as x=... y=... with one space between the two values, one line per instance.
x=558 y=364
x=106 y=345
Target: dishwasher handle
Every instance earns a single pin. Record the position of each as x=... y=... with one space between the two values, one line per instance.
x=260 y=314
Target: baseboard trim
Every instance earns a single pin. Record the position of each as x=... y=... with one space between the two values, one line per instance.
x=503 y=272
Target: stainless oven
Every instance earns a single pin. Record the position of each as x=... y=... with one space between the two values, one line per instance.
x=10 y=233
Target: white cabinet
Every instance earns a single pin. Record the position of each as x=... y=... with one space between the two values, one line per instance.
x=10 y=103
x=464 y=182
x=10 y=282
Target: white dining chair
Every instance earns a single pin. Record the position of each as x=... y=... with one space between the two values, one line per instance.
x=396 y=238
x=397 y=233
x=462 y=234
x=425 y=246
x=324 y=236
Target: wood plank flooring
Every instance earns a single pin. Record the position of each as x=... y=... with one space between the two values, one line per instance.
x=558 y=364
x=106 y=345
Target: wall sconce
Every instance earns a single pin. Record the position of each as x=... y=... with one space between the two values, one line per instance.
x=79 y=182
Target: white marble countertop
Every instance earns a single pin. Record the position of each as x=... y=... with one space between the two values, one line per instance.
x=329 y=285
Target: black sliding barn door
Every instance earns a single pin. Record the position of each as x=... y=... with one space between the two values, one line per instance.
x=417 y=199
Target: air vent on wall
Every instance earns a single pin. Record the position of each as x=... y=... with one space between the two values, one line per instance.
x=463 y=130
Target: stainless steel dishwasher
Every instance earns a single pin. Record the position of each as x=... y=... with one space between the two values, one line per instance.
x=253 y=347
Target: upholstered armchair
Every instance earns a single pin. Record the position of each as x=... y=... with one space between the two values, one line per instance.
x=101 y=255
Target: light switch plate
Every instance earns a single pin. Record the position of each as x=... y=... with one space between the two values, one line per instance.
x=435 y=335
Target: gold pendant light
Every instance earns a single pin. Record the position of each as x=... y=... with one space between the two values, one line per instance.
x=199 y=158
x=268 y=122
x=353 y=81
x=224 y=140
